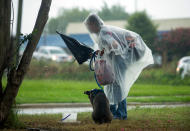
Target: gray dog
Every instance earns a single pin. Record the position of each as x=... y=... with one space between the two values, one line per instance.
x=101 y=110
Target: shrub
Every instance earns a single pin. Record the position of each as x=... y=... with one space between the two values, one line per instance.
x=53 y=70
x=73 y=71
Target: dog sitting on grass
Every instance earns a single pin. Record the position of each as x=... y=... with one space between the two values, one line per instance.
x=101 y=110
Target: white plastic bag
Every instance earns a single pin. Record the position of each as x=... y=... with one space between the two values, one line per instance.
x=103 y=71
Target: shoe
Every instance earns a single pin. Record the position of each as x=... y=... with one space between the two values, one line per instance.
x=123 y=118
x=116 y=117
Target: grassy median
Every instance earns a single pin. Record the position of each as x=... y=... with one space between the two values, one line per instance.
x=62 y=91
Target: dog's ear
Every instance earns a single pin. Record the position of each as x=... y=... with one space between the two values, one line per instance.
x=87 y=92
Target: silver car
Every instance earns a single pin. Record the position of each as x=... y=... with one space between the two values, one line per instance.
x=183 y=66
x=53 y=53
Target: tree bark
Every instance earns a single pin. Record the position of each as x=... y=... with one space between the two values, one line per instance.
x=1 y=88
x=5 y=15
x=164 y=58
x=16 y=75
x=19 y=21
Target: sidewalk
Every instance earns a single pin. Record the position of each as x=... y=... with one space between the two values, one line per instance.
x=73 y=105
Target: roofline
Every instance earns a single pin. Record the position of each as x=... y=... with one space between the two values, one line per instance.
x=171 y=18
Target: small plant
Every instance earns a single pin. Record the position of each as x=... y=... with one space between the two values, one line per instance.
x=13 y=121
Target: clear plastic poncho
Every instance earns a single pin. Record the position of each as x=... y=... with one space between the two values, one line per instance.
x=128 y=55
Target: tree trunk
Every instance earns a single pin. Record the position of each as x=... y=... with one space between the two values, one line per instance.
x=16 y=75
x=1 y=87
x=19 y=21
x=164 y=58
x=5 y=14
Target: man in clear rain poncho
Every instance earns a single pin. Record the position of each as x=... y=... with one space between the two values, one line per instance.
x=128 y=55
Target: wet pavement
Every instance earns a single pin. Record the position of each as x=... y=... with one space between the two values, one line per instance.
x=54 y=108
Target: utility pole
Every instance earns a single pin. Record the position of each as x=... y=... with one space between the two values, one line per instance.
x=136 y=1
x=45 y=36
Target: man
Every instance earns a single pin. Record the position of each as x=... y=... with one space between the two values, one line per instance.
x=128 y=55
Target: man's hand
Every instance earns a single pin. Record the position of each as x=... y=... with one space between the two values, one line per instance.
x=100 y=52
x=97 y=52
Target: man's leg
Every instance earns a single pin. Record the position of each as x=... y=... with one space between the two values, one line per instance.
x=122 y=110
x=113 y=111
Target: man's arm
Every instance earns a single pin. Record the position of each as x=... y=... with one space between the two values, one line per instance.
x=112 y=45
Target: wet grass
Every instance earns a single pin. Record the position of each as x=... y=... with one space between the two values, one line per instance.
x=138 y=119
x=58 y=91
x=160 y=99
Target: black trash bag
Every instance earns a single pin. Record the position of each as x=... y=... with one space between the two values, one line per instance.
x=80 y=51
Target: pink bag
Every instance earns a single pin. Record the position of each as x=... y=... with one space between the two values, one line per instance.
x=103 y=71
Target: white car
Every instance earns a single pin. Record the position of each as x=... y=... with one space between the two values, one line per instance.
x=53 y=53
x=183 y=66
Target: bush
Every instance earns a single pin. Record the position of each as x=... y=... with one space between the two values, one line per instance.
x=53 y=70
x=165 y=75
x=73 y=71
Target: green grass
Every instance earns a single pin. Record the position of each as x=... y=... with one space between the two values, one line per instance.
x=138 y=119
x=48 y=91
x=161 y=99
x=159 y=90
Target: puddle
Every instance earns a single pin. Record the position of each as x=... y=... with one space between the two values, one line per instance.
x=56 y=110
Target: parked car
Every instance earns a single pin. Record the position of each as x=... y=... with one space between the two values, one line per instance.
x=53 y=53
x=183 y=66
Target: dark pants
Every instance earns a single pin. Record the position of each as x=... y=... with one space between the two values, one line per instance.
x=121 y=111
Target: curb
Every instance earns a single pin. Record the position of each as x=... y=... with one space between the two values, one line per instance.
x=72 y=105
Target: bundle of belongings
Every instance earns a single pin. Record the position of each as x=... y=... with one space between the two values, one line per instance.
x=81 y=52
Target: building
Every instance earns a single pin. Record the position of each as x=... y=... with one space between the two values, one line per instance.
x=79 y=31
x=163 y=25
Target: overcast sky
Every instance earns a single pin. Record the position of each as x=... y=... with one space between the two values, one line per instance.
x=156 y=9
